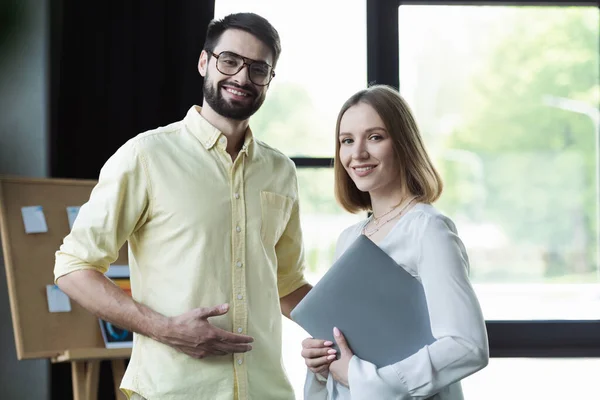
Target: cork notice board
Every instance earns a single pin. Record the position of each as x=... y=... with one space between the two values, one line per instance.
x=29 y=262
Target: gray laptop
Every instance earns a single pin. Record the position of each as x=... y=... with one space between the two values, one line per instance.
x=377 y=304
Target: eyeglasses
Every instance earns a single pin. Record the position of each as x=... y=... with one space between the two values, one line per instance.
x=229 y=63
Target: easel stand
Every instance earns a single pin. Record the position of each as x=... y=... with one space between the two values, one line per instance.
x=29 y=262
x=85 y=370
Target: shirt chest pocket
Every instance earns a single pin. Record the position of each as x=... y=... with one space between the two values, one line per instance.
x=275 y=214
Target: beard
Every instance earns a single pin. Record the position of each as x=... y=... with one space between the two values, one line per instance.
x=233 y=110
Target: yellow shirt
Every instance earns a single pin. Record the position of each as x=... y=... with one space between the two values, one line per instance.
x=202 y=230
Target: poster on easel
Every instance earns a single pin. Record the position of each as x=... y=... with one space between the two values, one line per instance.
x=114 y=336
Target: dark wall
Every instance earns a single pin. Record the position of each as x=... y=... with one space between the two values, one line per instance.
x=119 y=68
x=23 y=87
x=23 y=127
x=77 y=79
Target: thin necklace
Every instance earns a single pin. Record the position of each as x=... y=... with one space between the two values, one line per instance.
x=378 y=227
x=377 y=219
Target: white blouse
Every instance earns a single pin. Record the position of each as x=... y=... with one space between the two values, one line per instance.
x=426 y=244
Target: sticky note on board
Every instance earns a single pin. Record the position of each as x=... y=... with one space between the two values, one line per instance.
x=72 y=212
x=118 y=271
x=58 y=301
x=34 y=219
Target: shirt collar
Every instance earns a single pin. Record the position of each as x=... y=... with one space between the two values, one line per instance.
x=207 y=134
x=248 y=140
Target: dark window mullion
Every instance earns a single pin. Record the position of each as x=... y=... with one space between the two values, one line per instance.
x=559 y=339
x=550 y=3
x=554 y=338
x=383 y=61
x=313 y=162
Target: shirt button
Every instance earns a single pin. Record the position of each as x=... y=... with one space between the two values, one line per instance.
x=222 y=140
x=240 y=330
x=239 y=296
x=238 y=229
x=237 y=195
x=238 y=264
x=240 y=361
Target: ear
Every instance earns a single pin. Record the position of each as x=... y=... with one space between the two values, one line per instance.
x=203 y=63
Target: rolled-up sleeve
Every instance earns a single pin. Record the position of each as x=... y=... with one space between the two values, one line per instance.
x=457 y=323
x=290 y=249
x=290 y=255
x=118 y=206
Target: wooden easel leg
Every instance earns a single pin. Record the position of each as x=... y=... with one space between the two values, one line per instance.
x=85 y=375
x=92 y=376
x=118 y=370
x=78 y=377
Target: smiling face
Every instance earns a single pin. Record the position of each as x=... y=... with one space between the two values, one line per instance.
x=366 y=150
x=234 y=97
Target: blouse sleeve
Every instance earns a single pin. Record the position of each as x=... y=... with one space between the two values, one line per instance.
x=315 y=387
x=457 y=323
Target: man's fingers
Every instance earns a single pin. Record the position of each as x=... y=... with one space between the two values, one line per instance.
x=233 y=347
x=211 y=353
x=341 y=341
x=213 y=311
x=315 y=353
x=200 y=354
x=231 y=342
x=315 y=343
x=228 y=337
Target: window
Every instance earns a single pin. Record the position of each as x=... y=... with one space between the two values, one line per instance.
x=507 y=100
x=534 y=378
x=322 y=63
x=512 y=121
x=322 y=219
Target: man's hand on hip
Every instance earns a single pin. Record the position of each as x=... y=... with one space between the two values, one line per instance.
x=192 y=334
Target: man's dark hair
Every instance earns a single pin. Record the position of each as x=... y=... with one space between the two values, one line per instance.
x=252 y=23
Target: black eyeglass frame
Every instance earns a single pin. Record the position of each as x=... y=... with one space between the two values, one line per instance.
x=245 y=62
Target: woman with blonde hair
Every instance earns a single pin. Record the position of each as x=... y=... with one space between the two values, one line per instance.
x=381 y=166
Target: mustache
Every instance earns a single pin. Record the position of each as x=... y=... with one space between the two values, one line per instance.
x=248 y=88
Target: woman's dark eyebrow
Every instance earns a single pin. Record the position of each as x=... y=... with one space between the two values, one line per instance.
x=376 y=128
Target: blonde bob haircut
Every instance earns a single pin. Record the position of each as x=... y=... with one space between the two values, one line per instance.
x=416 y=171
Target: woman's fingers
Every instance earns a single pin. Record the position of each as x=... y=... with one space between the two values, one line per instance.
x=318 y=363
x=316 y=343
x=318 y=352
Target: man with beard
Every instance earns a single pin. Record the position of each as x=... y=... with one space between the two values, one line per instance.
x=211 y=217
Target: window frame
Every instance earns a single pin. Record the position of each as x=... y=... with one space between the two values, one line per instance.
x=507 y=338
